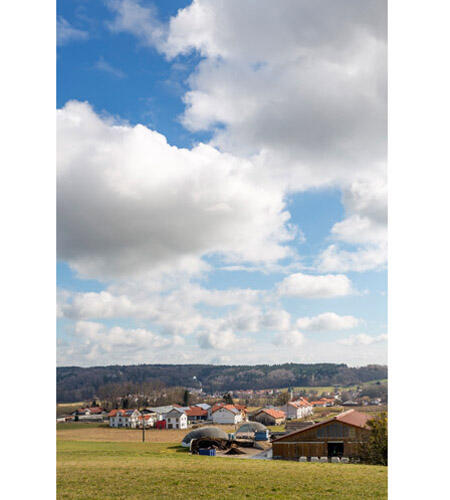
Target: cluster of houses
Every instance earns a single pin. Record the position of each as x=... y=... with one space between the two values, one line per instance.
x=178 y=417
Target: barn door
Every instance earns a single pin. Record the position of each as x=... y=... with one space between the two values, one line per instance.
x=335 y=449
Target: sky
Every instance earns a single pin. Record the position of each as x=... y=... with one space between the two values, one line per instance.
x=221 y=182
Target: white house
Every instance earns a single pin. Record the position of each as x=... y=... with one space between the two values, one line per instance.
x=148 y=418
x=298 y=409
x=124 y=418
x=227 y=414
x=176 y=419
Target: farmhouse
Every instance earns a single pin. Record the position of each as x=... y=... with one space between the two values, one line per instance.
x=339 y=436
x=227 y=414
x=176 y=419
x=269 y=416
x=124 y=418
x=298 y=409
x=196 y=414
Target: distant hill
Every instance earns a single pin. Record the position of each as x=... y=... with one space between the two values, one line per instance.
x=77 y=384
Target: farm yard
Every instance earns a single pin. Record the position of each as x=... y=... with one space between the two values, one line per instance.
x=98 y=462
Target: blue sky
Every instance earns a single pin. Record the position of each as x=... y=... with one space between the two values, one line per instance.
x=220 y=199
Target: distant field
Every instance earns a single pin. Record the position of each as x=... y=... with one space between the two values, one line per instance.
x=67 y=408
x=93 y=470
x=330 y=388
x=79 y=431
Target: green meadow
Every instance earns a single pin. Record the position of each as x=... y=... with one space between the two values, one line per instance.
x=131 y=470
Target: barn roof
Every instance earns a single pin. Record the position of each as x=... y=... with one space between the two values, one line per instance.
x=273 y=413
x=350 y=417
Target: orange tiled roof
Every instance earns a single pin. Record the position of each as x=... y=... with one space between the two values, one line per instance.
x=196 y=411
x=273 y=413
x=231 y=408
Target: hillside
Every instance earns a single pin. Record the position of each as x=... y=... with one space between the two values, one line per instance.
x=76 y=384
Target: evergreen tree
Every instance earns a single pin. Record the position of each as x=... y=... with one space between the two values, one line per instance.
x=228 y=399
x=186 y=398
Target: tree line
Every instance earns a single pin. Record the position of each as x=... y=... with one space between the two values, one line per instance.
x=79 y=384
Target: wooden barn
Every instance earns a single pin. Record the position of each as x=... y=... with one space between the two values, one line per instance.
x=269 y=416
x=339 y=436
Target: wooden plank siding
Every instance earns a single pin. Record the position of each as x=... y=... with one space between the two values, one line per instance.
x=314 y=442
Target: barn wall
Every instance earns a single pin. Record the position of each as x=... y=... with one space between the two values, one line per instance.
x=309 y=444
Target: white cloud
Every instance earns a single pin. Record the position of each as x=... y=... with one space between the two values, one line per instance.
x=310 y=99
x=362 y=339
x=222 y=339
x=312 y=286
x=328 y=321
x=176 y=312
x=103 y=65
x=276 y=320
x=365 y=226
x=363 y=259
x=67 y=33
x=94 y=343
x=129 y=203
x=291 y=338
x=132 y=17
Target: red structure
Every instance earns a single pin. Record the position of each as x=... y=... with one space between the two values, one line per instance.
x=160 y=424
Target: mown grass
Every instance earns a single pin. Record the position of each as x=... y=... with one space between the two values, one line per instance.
x=61 y=426
x=88 y=470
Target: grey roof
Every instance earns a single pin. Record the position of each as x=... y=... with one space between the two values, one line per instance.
x=174 y=411
x=161 y=409
x=203 y=406
x=212 y=432
x=251 y=427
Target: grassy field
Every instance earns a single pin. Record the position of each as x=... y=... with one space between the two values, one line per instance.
x=101 y=463
x=93 y=470
x=79 y=431
x=330 y=388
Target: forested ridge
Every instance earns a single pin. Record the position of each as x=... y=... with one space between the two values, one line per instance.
x=76 y=383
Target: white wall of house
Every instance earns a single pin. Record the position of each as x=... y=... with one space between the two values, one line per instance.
x=176 y=420
x=293 y=412
x=120 y=420
x=226 y=416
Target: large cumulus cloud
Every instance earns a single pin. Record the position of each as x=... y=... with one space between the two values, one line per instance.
x=128 y=202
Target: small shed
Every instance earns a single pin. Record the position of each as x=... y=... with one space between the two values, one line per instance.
x=339 y=436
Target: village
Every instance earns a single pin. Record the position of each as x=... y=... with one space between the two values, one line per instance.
x=326 y=429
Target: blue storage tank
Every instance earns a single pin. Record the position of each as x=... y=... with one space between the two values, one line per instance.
x=262 y=435
x=208 y=452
